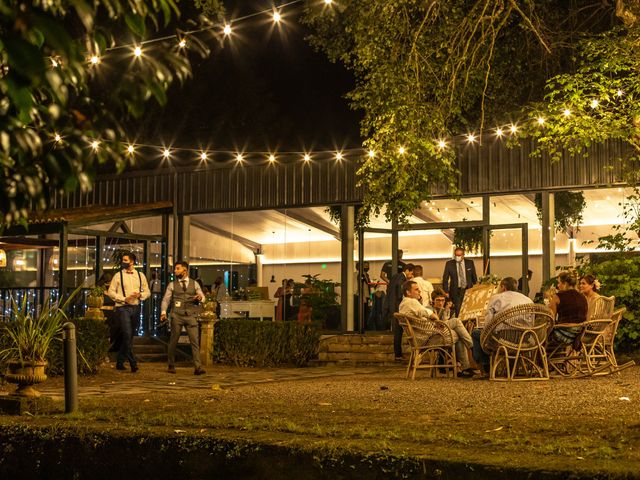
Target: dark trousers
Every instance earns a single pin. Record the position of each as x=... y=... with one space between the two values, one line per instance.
x=129 y=317
x=191 y=324
x=480 y=356
x=397 y=336
x=457 y=295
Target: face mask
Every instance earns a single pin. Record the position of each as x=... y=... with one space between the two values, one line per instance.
x=182 y=275
x=125 y=265
x=458 y=258
x=366 y=269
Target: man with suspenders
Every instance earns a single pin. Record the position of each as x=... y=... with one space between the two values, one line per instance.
x=127 y=289
x=184 y=295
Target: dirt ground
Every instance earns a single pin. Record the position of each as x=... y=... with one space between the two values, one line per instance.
x=583 y=425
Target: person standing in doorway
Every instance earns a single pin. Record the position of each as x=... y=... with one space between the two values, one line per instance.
x=127 y=289
x=459 y=275
x=392 y=305
x=184 y=296
x=387 y=273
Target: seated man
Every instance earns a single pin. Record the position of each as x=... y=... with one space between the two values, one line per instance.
x=507 y=297
x=411 y=305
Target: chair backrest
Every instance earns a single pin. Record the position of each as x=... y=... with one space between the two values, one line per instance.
x=474 y=303
x=602 y=307
x=528 y=323
x=610 y=333
x=421 y=331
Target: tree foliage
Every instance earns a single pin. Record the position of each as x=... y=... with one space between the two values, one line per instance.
x=432 y=69
x=569 y=207
x=48 y=87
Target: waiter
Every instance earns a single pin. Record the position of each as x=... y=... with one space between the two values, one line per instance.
x=184 y=295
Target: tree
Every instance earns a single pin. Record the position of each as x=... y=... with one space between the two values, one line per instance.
x=429 y=69
x=56 y=104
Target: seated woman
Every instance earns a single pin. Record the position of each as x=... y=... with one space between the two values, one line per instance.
x=589 y=287
x=567 y=306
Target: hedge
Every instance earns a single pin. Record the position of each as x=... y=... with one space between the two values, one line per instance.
x=264 y=344
x=92 y=341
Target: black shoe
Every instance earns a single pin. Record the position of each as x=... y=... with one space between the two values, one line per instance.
x=119 y=366
x=134 y=368
x=466 y=373
x=171 y=369
x=399 y=359
x=199 y=371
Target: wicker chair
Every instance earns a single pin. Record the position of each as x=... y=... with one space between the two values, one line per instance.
x=602 y=307
x=429 y=341
x=587 y=355
x=609 y=341
x=516 y=340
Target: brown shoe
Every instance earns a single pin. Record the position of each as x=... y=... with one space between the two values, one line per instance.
x=171 y=369
x=199 y=371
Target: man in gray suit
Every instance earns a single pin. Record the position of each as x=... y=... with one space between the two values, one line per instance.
x=184 y=295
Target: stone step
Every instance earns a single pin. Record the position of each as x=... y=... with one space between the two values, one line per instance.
x=151 y=357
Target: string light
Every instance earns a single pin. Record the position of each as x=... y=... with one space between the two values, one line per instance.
x=372 y=154
x=307 y=157
x=182 y=43
x=227 y=30
x=137 y=51
x=95 y=145
x=566 y=112
x=277 y=17
x=513 y=129
x=130 y=149
x=401 y=150
x=339 y=156
x=499 y=132
x=595 y=103
x=94 y=60
x=471 y=138
x=57 y=138
x=619 y=93
x=203 y=156
x=540 y=120
x=166 y=153
x=328 y=2
x=239 y=157
x=442 y=144
x=272 y=158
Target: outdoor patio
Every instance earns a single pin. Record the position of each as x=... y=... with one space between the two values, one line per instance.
x=583 y=428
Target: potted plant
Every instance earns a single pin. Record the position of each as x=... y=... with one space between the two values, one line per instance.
x=26 y=338
x=95 y=300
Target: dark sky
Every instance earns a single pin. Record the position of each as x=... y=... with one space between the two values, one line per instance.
x=265 y=89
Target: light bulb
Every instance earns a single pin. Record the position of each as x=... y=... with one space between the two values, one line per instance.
x=166 y=153
x=239 y=157
x=513 y=129
x=57 y=137
x=442 y=144
x=95 y=144
x=401 y=150
x=566 y=112
x=182 y=43
x=203 y=156
x=227 y=30
x=471 y=138
x=372 y=154
x=594 y=103
x=339 y=156
x=307 y=157
x=272 y=158
x=277 y=17
x=94 y=60
x=499 y=132
x=130 y=149
x=540 y=121
x=137 y=52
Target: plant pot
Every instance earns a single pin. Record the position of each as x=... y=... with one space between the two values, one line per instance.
x=25 y=375
x=94 y=304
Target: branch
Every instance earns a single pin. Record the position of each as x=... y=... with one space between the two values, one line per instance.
x=528 y=21
x=624 y=14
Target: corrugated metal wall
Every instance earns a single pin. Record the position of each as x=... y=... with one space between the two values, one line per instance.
x=487 y=169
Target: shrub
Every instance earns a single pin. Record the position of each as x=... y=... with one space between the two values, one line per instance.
x=620 y=276
x=92 y=341
x=261 y=344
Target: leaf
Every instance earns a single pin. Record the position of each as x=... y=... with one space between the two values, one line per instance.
x=85 y=13
x=25 y=58
x=135 y=23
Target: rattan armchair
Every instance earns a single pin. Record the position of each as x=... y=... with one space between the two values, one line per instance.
x=431 y=343
x=602 y=307
x=516 y=338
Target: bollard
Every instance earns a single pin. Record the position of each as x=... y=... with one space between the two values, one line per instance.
x=70 y=368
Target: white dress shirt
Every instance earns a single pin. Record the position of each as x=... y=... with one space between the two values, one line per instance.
x=426 y=289
x=134 y=282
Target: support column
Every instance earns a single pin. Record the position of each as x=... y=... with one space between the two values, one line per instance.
x=183 y=248
x=164 y=255
x=525 y=259
x=347 y=268
x=62 y=261
x=395 y=245
x=486 y=235
x=361 y=319
x=548 y=235
x=259 y=260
